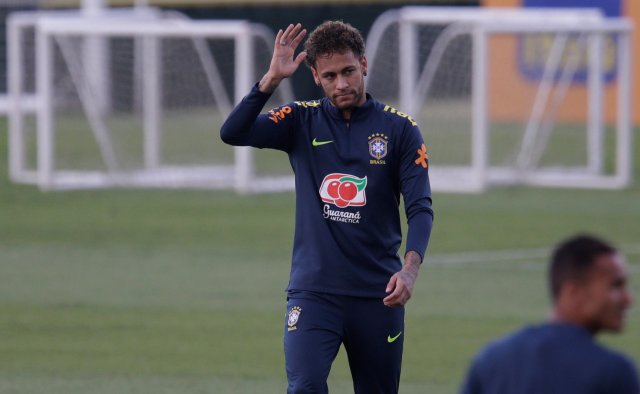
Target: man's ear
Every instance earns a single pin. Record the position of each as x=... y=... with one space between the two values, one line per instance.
x=577 y=290
x=571 y=289
x=568 y=297
x=364 y=65
x=316 y=78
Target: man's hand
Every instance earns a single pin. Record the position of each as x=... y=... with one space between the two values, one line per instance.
x=283 y=65
x=401 y=284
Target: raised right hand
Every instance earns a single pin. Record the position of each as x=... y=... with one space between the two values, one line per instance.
x=283 y=64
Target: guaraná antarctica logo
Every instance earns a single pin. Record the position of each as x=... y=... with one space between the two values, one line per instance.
x=343 y=190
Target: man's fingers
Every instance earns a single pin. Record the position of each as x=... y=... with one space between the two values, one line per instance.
x=293 y=34
x=394 y=296
x=399 y=296
x=298 y=37
x=281 y=36
x=390 y=299
x=288 y=30
x=289 y=34
x=393 y=300
x=396 y=300
x=392 y=283
x=300 y=58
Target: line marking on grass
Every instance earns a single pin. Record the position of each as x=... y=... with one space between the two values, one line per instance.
x=530 y=255
x=488 y=256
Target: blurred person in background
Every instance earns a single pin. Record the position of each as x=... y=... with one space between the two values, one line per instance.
x=588 y=284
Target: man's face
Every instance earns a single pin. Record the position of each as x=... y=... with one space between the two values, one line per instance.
x=604 y=295
x=341 y=76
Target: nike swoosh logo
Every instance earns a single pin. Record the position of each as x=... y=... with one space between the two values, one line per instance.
x=318 y=143
x=391 y=339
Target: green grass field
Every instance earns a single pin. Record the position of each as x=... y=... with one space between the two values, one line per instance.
x=147 y=291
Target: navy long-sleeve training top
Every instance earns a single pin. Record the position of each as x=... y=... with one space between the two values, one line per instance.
x=551 y=359
x=349 y=175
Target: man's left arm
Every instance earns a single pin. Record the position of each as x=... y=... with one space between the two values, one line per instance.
x=416 y=193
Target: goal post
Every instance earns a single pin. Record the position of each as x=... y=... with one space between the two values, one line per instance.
x=510 y=96
x=152 y=118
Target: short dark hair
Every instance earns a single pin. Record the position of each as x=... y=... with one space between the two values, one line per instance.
x=573 y=258
x=333 y=37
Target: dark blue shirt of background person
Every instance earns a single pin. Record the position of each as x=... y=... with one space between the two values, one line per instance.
x=588 y=283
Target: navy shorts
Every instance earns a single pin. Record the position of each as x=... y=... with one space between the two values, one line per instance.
x=316 y=324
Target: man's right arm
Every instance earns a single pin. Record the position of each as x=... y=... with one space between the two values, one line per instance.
x=245 y=126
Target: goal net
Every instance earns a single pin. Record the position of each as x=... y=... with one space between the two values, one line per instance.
x=510 y=96
x=134 y=98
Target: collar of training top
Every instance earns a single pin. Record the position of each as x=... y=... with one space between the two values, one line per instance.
x=357 y=111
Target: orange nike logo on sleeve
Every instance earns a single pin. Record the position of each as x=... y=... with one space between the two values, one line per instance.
x=422 y=157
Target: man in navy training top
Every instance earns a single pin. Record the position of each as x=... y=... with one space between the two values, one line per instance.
x=352 y=157
x=588 y=283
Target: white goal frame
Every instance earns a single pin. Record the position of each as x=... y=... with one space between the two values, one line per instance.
x=483 y=23
x=143 y=22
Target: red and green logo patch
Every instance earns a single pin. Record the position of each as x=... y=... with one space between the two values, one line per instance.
x=343 y=190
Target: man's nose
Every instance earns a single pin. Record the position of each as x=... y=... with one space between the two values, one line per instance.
x=343 y=82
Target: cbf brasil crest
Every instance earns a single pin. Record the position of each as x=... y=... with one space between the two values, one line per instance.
x=292 y=320
x=378 y=145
